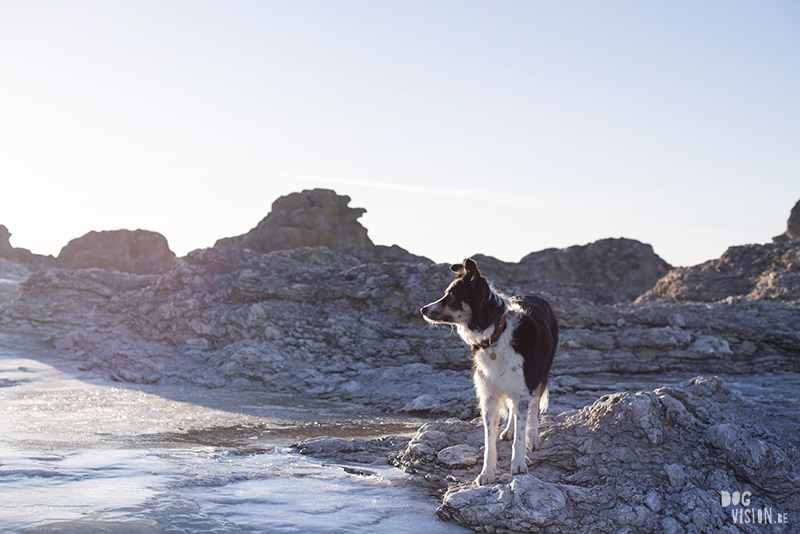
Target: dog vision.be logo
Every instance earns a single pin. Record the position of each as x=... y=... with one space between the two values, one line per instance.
x=742 y=514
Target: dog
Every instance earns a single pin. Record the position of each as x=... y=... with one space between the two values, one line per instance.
x=513 y=342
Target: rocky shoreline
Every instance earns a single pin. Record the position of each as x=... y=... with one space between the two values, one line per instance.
x=655 y=460
x=633 y=443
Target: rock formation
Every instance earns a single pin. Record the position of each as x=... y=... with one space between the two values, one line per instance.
x=316 y=218
x=654 y=460
x=792 y=232
x=605 y=272
x=313 y=218
x=21 y=255
x=298 y=320
x=139 y=251
x=757 y=272
x=11 y=274
x=320 y=323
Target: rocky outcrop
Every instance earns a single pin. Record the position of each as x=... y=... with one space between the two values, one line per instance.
x=317 y=218
x=137 y=251
x=638 y=460
x=303 y=320
x=320 y=323
x=755 y=272
x=652 y=461
x=649 y=461
x=325 y=324
x=792 y=232
x=313 y=218
x=22 y=255
x=605 y=272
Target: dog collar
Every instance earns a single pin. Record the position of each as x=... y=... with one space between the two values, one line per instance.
x=499 y=327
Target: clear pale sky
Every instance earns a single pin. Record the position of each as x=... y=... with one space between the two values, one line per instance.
x=461 y=126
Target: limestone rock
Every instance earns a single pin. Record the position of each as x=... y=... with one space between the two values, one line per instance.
x=138 y=251
x=460 y=455
x=629 y=462
x=302 y=320
x=322 y=323
x=21 y=255
x=607 y=271
x=792 y=232
x=313 y=218
x=11 y=274
x=317 y=218
x=758 y=272
x=358 y=450
x=644 y=460
x=384 y=254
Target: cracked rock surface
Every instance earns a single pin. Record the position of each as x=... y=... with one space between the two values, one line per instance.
x=636 y=461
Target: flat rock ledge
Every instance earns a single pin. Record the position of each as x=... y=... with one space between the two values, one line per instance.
x=648 y=461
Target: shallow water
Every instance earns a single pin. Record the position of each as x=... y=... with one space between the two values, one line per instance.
x=82 y=455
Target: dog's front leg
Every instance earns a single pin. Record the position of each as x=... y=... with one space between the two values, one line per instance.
x=518 y=464
x=490 y=414
x=507 y=434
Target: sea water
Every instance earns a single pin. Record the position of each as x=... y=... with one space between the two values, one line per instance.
x=82 y=455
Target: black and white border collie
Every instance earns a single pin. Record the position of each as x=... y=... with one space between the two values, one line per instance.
x=513 y=342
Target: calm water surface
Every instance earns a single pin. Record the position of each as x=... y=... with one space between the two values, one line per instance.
x=79 y=454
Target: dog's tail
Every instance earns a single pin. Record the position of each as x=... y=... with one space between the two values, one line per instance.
x=544 y=400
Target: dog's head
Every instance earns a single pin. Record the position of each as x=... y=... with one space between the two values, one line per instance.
x=464 y=302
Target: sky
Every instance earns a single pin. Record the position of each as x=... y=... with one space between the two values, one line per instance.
x=462 y=127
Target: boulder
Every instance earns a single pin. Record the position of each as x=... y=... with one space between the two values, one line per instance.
x=138 y=251
x=607 y=271
x=317 y=218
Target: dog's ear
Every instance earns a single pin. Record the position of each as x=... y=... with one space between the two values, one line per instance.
x=457 y=268
x=471 y=267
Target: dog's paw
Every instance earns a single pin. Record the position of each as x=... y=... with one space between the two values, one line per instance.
x=519 y=469
x=506 y=435
x=483 y=479
x=534 y=443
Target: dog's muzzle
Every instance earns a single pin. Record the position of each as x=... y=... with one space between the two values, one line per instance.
x=430 y=313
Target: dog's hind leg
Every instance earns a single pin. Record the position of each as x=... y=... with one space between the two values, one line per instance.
x=520 y=419
x=490 y=413
x=539 y=402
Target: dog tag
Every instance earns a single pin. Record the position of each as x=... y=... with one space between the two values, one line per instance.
x=493 y=356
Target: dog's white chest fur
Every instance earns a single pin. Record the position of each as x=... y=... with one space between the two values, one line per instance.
x=502 y=375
